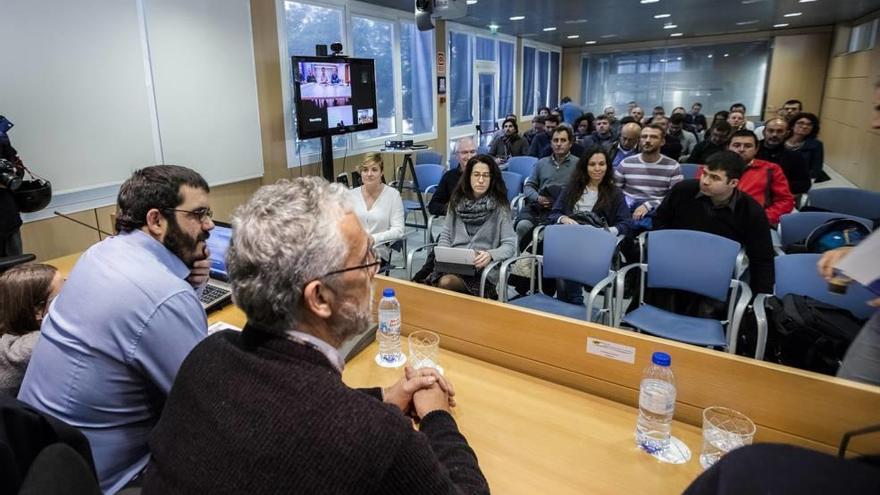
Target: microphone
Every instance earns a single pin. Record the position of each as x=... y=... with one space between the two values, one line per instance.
x=82 y=223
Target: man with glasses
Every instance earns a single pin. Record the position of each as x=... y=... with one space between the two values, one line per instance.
x=114 y=338
x=265 y=410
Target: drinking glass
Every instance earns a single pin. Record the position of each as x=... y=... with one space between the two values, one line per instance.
x=724 y=429
x=424 y=348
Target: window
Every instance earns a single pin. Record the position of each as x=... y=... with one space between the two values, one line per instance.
x=505 y=82
x=485 y=49
x=863 y=36
x=373 y=38
x=461 y=80
x=540 y=84
x=528 y=82
x=554 y=79
x=715 y=75
x=306 y=26
x=416 y=60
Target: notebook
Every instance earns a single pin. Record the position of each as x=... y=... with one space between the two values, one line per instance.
x=459 y=261
x=217 y=292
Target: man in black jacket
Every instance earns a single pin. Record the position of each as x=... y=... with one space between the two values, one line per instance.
x=792 y=163
x=10 y=219
x=717 y=140
x=713 y=204
x=266 y=410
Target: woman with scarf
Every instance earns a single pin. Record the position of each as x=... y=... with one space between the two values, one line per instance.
x=479 y=218
x=509 y=144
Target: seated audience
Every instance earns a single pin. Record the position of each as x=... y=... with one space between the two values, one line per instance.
x=110 y=347
x=601 y=137
x=378 y=206
x=265 y=410
x=658 y=111
x=536 y=129
x=739 y=107
x=637 y=114
x=627 y=144
x=499 y=133
x=479 y=218
x=590 y=189
x=541 y=146
x=570 y=110
x=696 y=120
x=715 y=204
x=544 y=112
x=737 y=121
x=793 y=165
x=542 y=188
x=672 y=146
x=675 y=130
x=583 y=126
x=613 y=121
x=718 y=137
x=25 y=294
x=791 y=108
x=718 y=117
x=804 y=139
x=762 y=180
x=509 y=144
x=647 y=177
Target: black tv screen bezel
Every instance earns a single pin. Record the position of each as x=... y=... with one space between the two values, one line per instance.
x=301 y=131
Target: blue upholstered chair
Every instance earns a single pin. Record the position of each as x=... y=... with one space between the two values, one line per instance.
x=859 y=202
x=522 y=165
x=797 y=274
x=576 y=253
x=514 y=183
x=697 y=262
x=689 y=170
x=795 y=227
x=427 y=177
x=428 y=157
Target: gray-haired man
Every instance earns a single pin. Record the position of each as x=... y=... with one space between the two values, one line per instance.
x=265 y=410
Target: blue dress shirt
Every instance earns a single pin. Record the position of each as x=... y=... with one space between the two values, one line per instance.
x=111 y=346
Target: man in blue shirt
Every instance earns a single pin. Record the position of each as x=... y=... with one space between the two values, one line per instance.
x=114 y=339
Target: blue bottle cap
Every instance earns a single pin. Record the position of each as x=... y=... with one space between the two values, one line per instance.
x=661 y=359
x=388 y=292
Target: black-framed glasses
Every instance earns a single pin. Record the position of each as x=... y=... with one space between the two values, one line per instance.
x=372 y=267
x=202 y=214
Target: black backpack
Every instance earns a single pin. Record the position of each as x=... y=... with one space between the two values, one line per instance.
x=808 y=334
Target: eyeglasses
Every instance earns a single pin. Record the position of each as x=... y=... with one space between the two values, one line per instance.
x=203 y=214
x=372 y=267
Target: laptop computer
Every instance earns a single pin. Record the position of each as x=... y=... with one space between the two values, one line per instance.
x=459 y=261
x=217 y=292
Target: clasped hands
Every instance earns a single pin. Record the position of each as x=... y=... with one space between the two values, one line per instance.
x=420 y=392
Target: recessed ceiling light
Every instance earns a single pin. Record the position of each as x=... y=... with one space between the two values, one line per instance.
x=649 y=1
x=726 y=55
x=674 y=35
x=662 y=60
x=606 y=36
x=573 y=36
x=575 y=21
x=670 y=26
x=749 y=2
x=746 y=23
x=709 y=56
x=471 y=2
x=517 y=18
x=679 y=58
x=806 y=1
x=591 y=42
x=793 y=14
x=662 y=16
x=781 y=25
x=550 y=28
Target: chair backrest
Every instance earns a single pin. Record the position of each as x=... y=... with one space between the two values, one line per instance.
x=797 y=274
x=579 y=253
x=849 y=200
x=514 y=183
x=428 y=175
x=795 y=227
x=423 y=157
x=689 y=170
x=691 y=260
x=453 y=162
x=522 y=165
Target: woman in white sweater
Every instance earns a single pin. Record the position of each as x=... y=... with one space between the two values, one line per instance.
x=377 y=205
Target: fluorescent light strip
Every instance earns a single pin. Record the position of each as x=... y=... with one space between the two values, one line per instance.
x=517 y=18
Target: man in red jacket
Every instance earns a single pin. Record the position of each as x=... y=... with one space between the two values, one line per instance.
x=762 y=180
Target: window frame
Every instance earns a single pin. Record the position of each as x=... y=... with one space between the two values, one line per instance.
x=547 y=48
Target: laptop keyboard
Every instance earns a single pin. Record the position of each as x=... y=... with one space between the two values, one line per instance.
x=211 y=294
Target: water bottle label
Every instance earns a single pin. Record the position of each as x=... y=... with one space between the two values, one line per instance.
x=657 y=396
x=389 y=325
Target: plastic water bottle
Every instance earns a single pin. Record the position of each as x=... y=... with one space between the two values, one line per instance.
x=656 y=404
x=388 y=333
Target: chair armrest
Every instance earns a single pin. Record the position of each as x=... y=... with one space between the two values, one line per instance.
x=516 y=204
x=621 y=276
x=409 y=258
x=505 y=268
x=742 y=263
x=430 y=189
x=428 y=228
x=759 y=305
x=485 y=275
x=536 y=234
x=742 y=303
x=605 y=283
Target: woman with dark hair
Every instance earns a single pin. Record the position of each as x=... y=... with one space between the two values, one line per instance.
x=479 y=218
x=583 y=126
x=25 y=294
x=590 y=192
x=509 y=144
x=803 y=131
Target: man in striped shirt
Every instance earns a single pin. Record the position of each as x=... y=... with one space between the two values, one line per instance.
x=646 y=178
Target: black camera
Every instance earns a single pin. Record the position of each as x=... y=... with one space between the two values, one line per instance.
x=10 y=177
x=336 y=48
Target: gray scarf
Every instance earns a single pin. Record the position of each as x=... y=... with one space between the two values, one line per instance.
x=475 y=212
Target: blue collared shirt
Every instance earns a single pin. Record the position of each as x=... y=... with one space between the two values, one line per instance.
x=111 y=346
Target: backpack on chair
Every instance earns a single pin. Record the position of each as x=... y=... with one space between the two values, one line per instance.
x=808 y=334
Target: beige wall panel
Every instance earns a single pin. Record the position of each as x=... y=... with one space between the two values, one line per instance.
x=797 y=70
x=54 y=237
x=845 y=112
x=846 y=88
x=269 y=97
x=571 y=80
x=226 y=198
x=851 y=65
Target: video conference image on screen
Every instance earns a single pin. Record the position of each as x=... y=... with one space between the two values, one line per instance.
x=334 y=95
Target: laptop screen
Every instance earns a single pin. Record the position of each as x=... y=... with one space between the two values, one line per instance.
x=218 y=243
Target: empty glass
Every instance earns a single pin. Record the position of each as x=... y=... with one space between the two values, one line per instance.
x=724 y=430
x=424 y=348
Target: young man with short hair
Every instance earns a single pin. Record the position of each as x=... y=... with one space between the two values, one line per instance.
x=646 y=178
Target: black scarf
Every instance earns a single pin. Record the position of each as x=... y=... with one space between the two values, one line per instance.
x=474 y=212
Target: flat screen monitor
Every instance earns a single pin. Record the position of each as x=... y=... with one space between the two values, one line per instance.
x=333 y=95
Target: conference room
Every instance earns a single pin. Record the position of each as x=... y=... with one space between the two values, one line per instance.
x=548 y=400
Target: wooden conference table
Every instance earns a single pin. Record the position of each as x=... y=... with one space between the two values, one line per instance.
x=544 y=415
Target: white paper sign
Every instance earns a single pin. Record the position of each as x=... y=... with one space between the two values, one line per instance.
x=611 y=350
